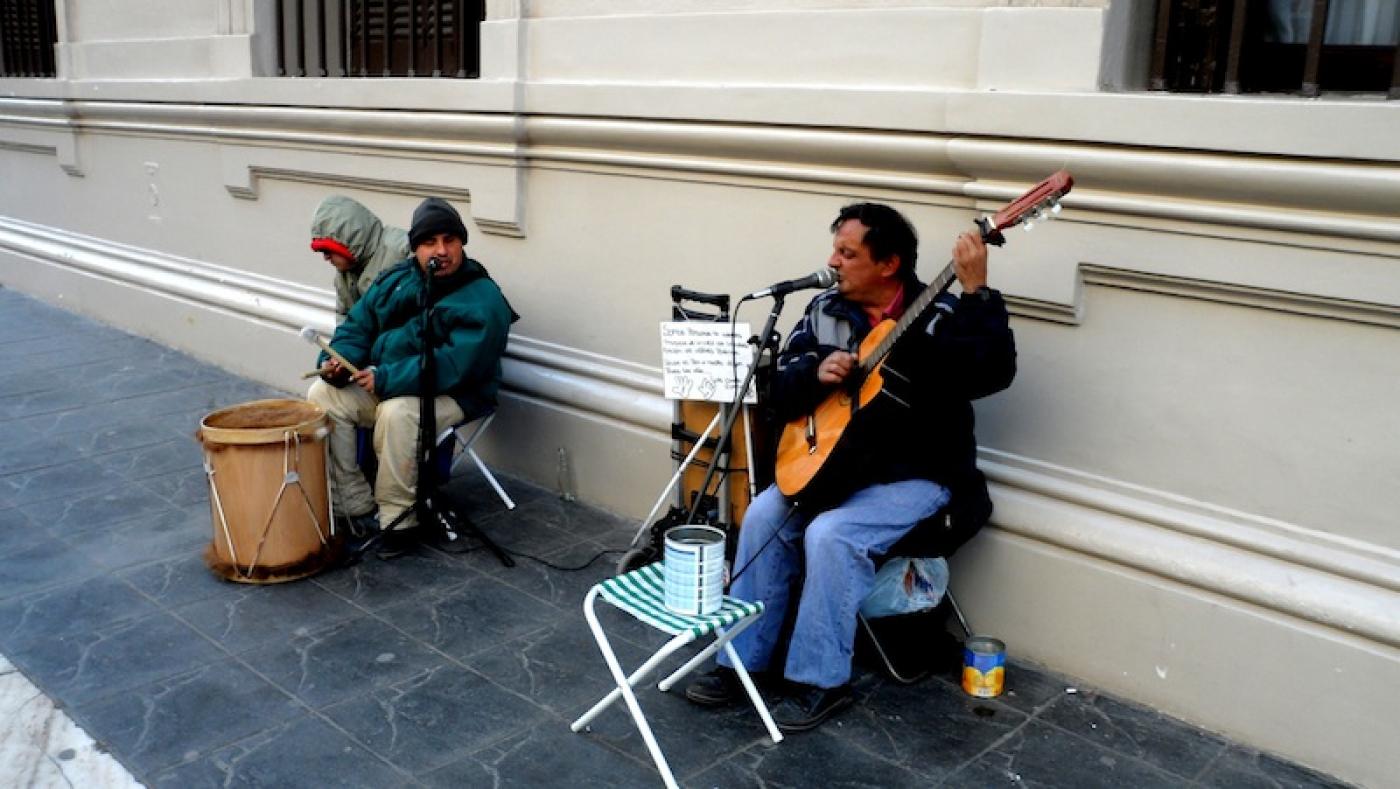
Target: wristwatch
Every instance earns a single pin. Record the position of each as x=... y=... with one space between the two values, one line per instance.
x=984 y=293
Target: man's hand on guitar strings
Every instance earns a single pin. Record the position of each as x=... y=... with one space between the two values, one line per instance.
x=834 y=368
x=970 y=261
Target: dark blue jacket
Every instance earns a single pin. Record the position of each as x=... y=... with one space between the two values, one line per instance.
x=961 y=349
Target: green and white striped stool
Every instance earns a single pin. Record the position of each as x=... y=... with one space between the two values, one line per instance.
x=639 y=593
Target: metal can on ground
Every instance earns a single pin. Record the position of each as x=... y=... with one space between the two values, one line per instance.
x=984 y=667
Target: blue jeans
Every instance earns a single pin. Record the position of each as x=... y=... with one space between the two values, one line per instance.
x=838 y=548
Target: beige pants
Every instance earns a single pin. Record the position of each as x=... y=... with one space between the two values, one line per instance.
x=395 y=423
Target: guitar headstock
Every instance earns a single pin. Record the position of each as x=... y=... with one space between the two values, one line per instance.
x=1039 y=204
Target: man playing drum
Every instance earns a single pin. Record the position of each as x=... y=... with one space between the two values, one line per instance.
x=381 y=336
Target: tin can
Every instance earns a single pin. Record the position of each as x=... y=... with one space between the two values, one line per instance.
x=984 y=667
x=693 y=570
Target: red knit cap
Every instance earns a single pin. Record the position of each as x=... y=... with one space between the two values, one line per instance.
x=332 y=246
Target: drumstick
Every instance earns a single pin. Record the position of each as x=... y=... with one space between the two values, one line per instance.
x=312 y=336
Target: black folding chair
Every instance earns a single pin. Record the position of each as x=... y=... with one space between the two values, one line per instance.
x=907 y=645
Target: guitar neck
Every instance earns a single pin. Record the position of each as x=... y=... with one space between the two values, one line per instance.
x=925 y=300
x=1038 y=205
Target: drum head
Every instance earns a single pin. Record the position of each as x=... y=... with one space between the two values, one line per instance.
x=262 y=422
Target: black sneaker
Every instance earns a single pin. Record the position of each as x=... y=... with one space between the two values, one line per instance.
x=397 y=542
x=357 y=527
x=716 y=688
x=806 y=706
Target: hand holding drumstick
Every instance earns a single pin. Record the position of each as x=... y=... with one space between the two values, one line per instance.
x=338 y=366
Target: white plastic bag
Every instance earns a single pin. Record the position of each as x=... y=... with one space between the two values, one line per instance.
x=906 y=585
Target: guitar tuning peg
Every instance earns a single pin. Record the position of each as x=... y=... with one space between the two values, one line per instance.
x=1028 y=226
x=1055 y=207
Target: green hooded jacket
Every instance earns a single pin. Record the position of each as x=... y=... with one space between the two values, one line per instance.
x=376 y=247
x=471 y=322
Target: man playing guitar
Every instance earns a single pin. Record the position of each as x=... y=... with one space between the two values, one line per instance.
x=914 y=456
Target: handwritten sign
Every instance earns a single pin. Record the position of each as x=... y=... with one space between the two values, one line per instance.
x=702 y=360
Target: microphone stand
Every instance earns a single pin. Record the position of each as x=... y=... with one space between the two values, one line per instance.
x=434 y=511
x=728 y=424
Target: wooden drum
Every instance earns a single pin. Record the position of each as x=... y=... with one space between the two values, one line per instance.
x=268 y=491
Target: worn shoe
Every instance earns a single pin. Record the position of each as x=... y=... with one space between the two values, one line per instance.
x=806 y=706
x=357 y=527
x=716 y=688
x=397 y=542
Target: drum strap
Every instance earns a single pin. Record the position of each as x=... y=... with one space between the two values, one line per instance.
x=219 y=506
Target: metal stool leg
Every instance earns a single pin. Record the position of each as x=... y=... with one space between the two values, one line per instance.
x=624 y=686
x=465 y=442
x=724 y=637
x=723 y=642
x=758 y=703
x=884 y=656
x=491 y=478
x=957 y=610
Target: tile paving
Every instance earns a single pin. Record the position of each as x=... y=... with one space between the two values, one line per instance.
x=429 y=670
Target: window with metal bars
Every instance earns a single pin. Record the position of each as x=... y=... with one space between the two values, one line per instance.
x=379 y=38
x=1302 y=47
x=27 y=36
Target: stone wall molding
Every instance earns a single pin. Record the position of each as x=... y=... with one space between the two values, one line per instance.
x=599 y=386
x=42 y=127
x=1317 y=306
x=1293 y=195
x=1327 y=580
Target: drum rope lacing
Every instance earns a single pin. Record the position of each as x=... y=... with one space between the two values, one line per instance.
x=219 y=506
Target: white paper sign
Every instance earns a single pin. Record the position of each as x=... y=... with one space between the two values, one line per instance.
x=704 y=360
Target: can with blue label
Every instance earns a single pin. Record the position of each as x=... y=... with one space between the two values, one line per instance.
x=693 y=570
x=984 y=667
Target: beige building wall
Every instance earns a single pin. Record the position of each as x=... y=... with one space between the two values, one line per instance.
x=1196 y=473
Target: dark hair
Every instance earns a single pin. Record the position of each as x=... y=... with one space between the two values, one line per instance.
x=887 y=233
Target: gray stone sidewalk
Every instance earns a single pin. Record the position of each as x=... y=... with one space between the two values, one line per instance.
x=431 y=669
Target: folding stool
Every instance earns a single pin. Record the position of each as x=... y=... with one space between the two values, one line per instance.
x=465 y=435
x=639 y=593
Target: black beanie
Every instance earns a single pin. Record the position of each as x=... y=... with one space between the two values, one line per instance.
x=433 y=216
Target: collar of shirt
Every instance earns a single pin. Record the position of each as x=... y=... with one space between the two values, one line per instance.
x=892 y=311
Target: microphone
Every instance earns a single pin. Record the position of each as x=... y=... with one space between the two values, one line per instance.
x=434 y=264
x=823 y=278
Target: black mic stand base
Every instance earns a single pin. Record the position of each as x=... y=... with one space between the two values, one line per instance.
x=440 y=526
x=450 y=531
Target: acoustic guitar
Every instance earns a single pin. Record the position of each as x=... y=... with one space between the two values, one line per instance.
x=815 y=451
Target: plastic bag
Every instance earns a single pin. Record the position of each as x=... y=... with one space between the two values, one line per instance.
x=906 y=585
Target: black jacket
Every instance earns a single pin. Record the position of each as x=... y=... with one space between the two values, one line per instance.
x=959 y=350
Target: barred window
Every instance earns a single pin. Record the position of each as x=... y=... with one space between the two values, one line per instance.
x=1277 y=46
x=27 y=37
x=379 y=38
